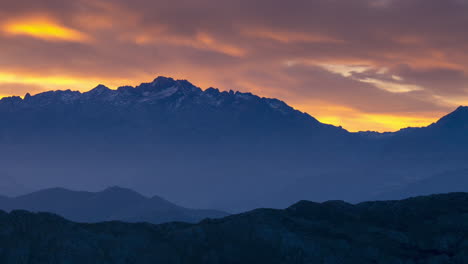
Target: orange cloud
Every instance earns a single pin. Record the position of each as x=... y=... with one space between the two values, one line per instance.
x=43 y=28
x=290 y=37
x=201 y=41
x=393 y=86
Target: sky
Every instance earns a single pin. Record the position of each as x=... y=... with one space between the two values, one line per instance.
x=362 y=64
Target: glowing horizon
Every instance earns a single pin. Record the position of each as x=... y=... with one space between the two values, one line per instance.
x=307 y=54
x=380 y=122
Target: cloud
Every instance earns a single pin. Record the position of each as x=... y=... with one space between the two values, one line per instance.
x=200 y=40
x=364 y=64
x=42 y=28
x=288 y=37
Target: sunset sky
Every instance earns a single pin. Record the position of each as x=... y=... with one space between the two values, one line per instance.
x=362 y=64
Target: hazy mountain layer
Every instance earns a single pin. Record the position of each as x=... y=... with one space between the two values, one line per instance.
x=113 y=203
x=441 y=183
x=211 y=149
x=430 y=229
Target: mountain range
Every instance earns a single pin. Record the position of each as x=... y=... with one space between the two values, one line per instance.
x=114 y=203
x=213 y=149
x=427 y=229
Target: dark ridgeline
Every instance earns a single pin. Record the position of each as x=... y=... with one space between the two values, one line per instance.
x=113 y=203
x=212 y=149
x=420 y=230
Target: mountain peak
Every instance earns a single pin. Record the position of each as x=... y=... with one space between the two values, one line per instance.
x=164 y=87
x=98 y=90
x=162 y=82
x=462 y=108
x=166 y=82
x=101 y=87
x=162 y=79
x=456 y=119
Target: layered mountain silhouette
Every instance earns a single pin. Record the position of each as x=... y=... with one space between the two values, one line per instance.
x=114 y=203
x=429 y=229
x=211 y=148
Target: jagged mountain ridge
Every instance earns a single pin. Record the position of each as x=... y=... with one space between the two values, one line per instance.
x=113 y=203
x=430 y=229
x=161 y=88
x=182 y=94
x=210 y=149
x=159 y=101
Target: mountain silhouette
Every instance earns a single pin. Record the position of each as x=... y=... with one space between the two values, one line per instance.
x=427 y=229
x=114 y=203
x=164 y=107
x=455 y=120
x=211 y=148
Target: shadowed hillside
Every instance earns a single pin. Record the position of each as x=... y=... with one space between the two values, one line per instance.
x=430 y=229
